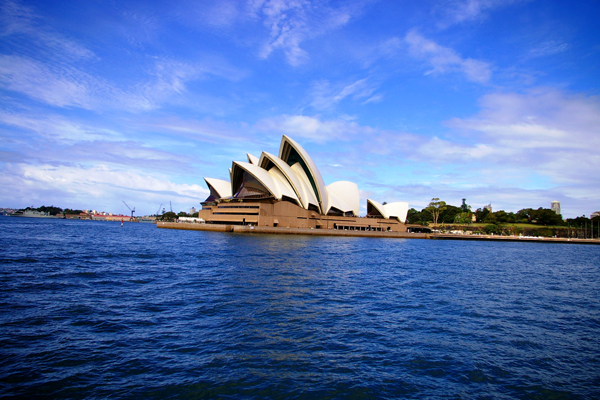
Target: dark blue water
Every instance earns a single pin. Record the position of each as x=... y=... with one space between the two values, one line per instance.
x=93 y=310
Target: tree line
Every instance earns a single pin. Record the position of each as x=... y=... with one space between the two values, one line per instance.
x=438 y=212
x=52 y=210
x=171 y=216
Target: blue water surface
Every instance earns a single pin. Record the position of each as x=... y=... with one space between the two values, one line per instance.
x=94 y=310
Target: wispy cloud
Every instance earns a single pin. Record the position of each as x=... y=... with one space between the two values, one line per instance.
x=39 y=139
x=290 y=22
x=61 y=72
x=549 y=48
x=106 y=186
x=456 y=11
x=551 y=132
x=62 y=84
x=445 y=60
x=17 y=19
x=206 y=130
x=56 y=128
x=325 y=95
x=312 y=128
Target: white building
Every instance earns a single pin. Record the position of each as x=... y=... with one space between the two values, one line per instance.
x=555 y=206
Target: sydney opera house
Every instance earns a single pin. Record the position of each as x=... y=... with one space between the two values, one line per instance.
x=288 y=191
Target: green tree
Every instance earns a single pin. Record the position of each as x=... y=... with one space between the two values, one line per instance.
x=411 y=216
x=435 y=207
x=524 y=215
x=168 y=216
x=465 y=217
x=50 y=210
x=545 y=216
x=481 y=213
x=418 y=217
x=490 y=218
x=449 y=214
x=501 y=216
x=511 y=218
x=70 y=211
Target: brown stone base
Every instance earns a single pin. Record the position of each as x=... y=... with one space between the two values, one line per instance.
x=346 y=233
x=288 y=231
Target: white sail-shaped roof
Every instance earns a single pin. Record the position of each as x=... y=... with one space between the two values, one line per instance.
x=344 y=196
x=301 y=188
x=312 y=197
x=252 y=159
x=293 y=176
x=269 y=181
x=284 y=185
x=221 y=187
x=377 y=206
x=397 y=210
x=292 y=153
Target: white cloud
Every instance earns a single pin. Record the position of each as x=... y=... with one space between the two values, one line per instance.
x=56 y=128
x=65 y=88
x=440 y=150
x=325 y=95
x=290 y=22
x=64 y=85
x=17 y=19
x=51 y=68
x=548 y=48
x=103 y=178
x=445 y=60
x=312 y=128
x=548 y=131
x=457 y=11
x=55 y=139
x=207 y=130
x=100 y=187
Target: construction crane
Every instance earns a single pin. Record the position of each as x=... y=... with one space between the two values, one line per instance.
x=171 y=205
x=132 y=211
x=159 y=209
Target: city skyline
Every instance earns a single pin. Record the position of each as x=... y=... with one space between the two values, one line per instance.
x=492 y=101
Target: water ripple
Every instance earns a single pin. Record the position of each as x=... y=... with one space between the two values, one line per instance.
x=93 y=310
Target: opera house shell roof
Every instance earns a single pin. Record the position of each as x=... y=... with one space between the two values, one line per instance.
x=292 y=176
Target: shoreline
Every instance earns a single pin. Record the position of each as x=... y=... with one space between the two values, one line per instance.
x=373 y=234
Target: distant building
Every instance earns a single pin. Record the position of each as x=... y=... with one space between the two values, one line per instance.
x=192 y=210
x=82 y=215
x=555 y=206
x=105 y=217
x=595 y=214
x=488 y=207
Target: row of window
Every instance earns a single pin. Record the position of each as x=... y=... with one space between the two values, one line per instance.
x=235 y=213
x=361 y=228
x=239 y=206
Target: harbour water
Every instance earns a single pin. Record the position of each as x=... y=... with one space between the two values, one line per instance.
x=95 y=310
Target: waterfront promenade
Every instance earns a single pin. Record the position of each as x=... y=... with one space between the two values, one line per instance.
x=344 y=233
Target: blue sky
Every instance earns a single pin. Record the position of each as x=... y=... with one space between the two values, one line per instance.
x=495 y=101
